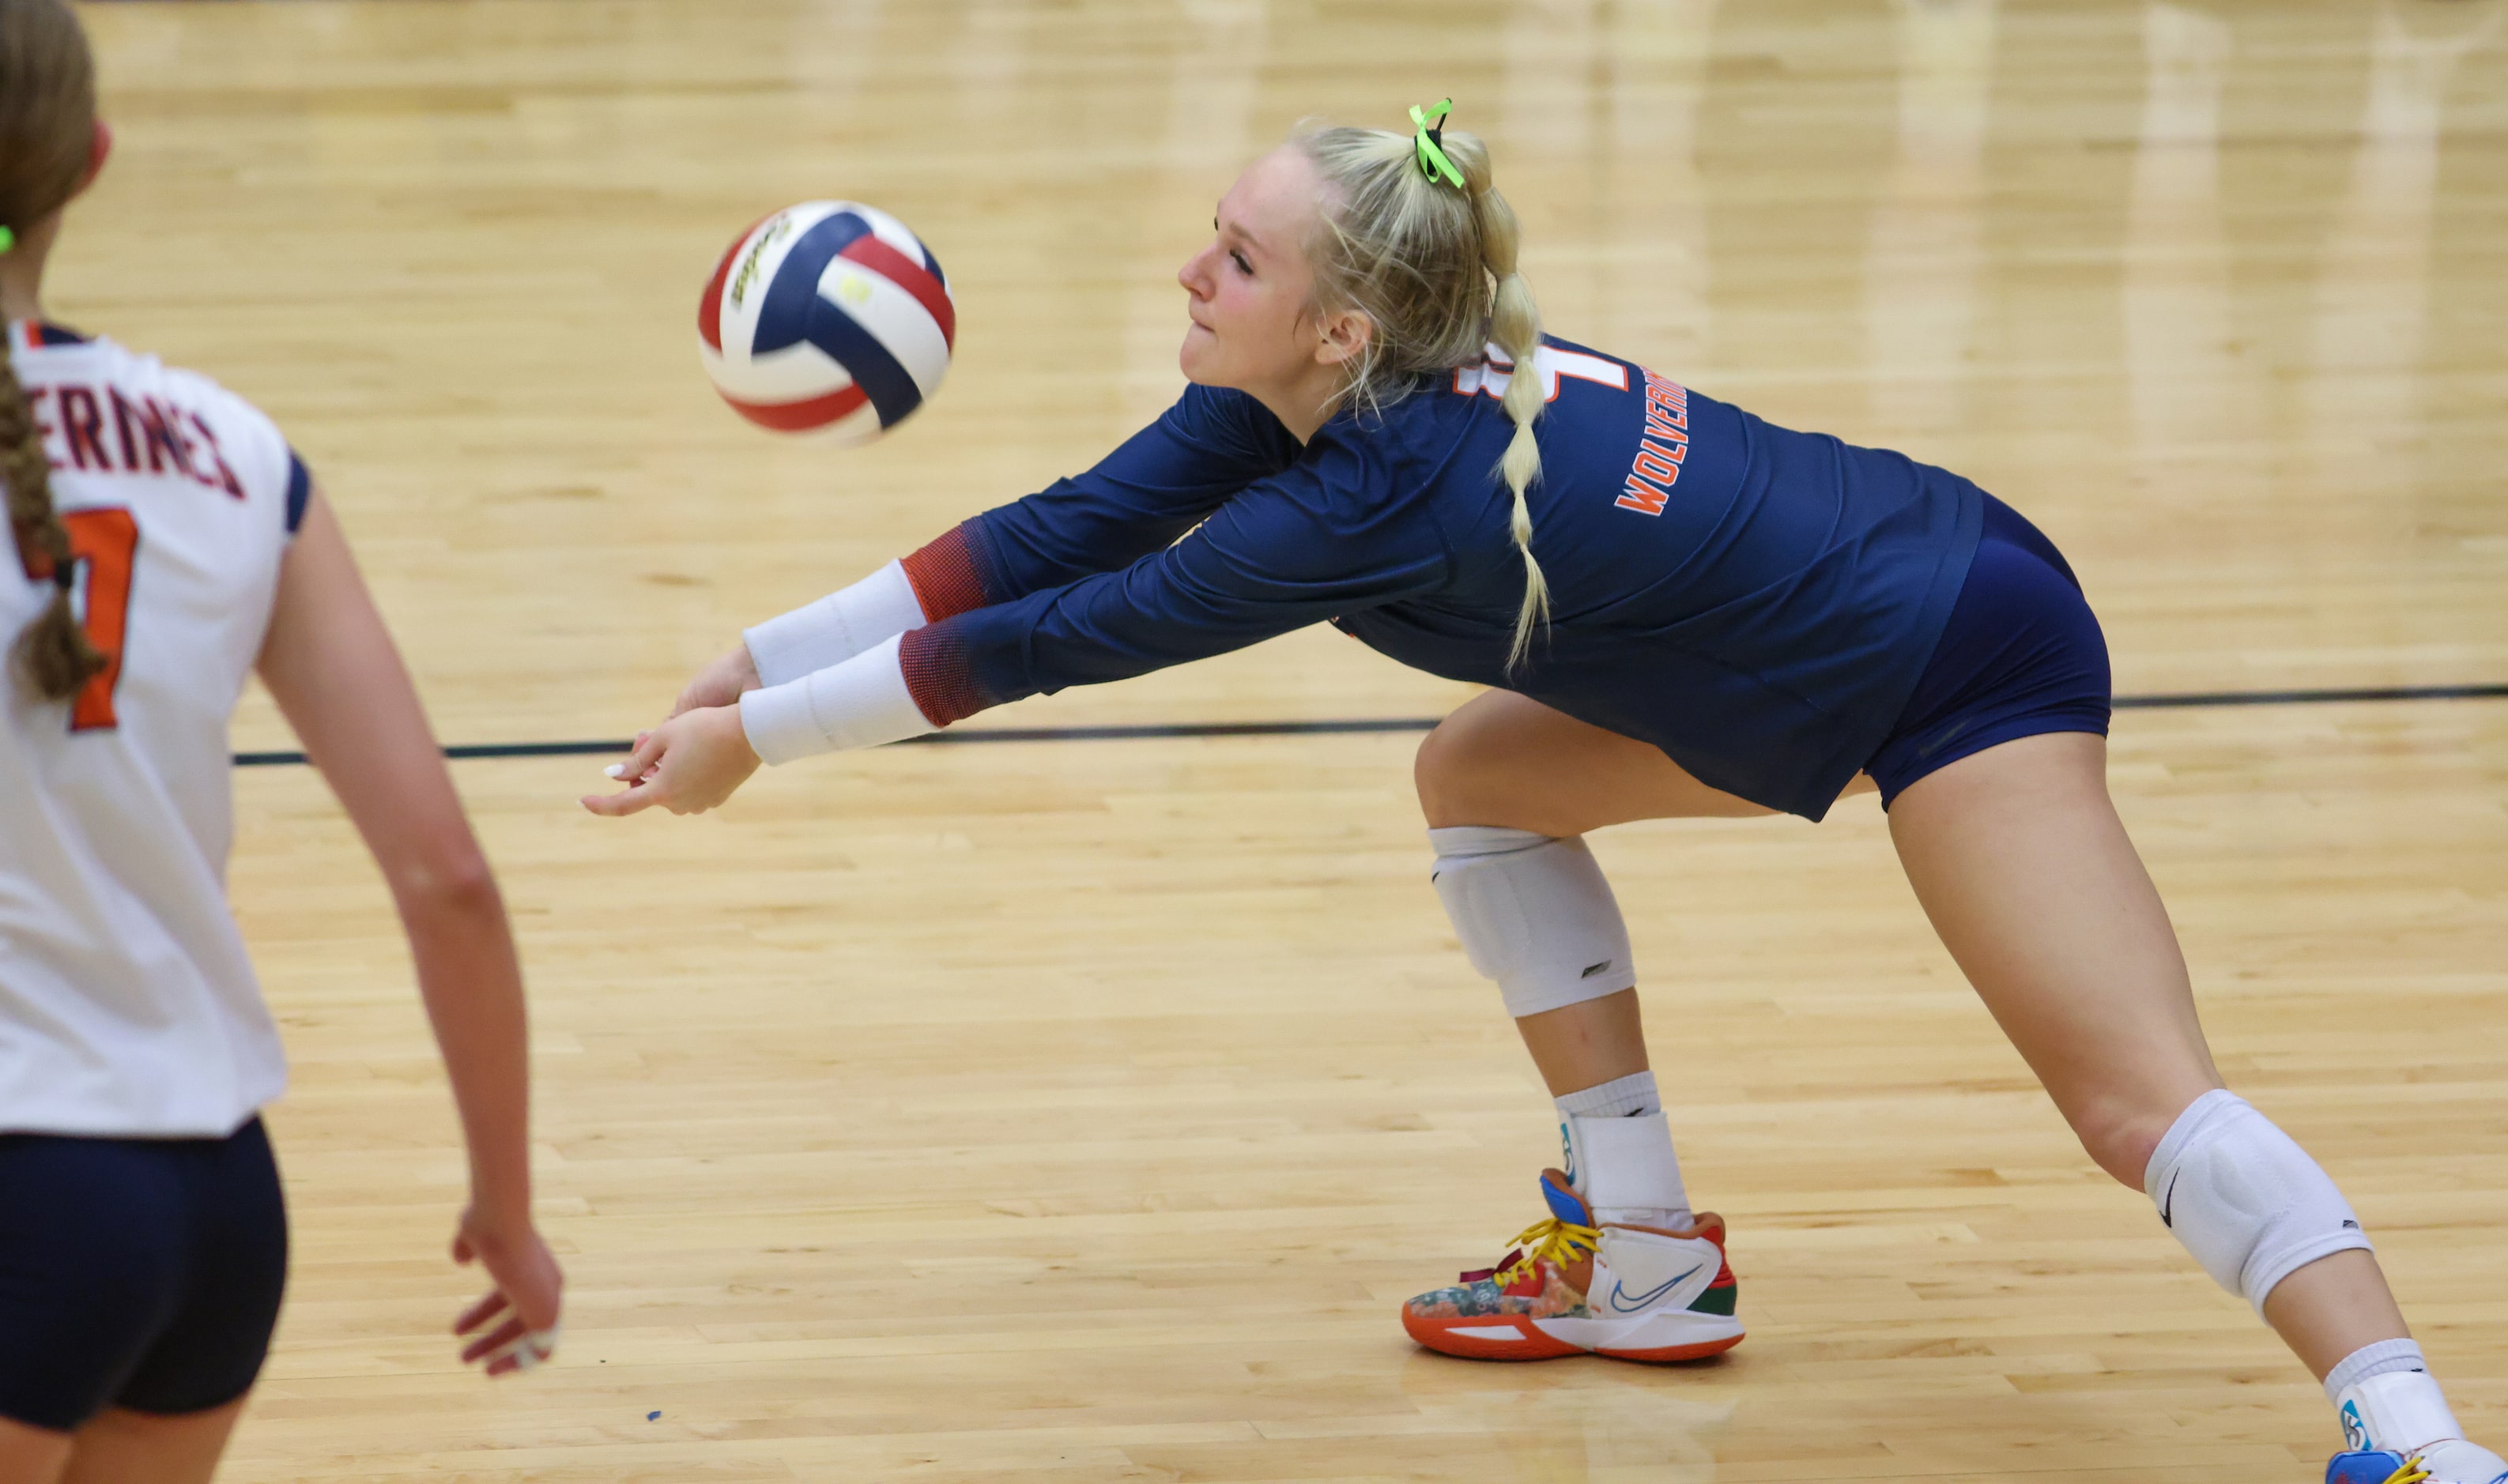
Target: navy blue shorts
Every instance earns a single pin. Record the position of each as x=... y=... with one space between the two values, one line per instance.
x=2020 y=655
x=138 y=1273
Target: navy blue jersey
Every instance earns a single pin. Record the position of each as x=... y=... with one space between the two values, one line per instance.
x=1756 y=601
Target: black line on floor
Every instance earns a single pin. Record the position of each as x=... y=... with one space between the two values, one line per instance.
x=2316 y=698
x=1368 y=724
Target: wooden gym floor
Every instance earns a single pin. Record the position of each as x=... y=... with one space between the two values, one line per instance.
x=1080 y=1110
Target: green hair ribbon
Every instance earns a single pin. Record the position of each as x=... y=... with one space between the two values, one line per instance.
x=8 y=239
x=1430 y=142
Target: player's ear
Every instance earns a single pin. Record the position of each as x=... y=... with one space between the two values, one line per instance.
x=1341 y=336
x=98 y=147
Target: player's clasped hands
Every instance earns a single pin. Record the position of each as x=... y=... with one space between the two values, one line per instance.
x=697 y=759
x=722 y=682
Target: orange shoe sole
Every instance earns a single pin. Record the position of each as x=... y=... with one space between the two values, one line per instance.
x=1515 y=1337
x=1479 y=1339
x=1669 y=1352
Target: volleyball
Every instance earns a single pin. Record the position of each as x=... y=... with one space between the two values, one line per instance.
x=827 y=319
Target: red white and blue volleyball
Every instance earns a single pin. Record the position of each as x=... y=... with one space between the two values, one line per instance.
x=827 y=319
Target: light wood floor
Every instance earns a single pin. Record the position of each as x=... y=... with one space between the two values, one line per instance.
x=1082 y=1112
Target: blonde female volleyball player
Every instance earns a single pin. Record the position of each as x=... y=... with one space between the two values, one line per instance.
x=1724 y=617
x=168 y=541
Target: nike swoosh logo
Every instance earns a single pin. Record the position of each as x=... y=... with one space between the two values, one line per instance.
x=1649 y=1298
x=2168 y=1202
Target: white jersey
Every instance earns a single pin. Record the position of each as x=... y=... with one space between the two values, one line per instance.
x=127 y=1006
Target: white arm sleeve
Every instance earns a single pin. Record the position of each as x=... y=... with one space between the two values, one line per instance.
x=836 y=628
x=857 y=703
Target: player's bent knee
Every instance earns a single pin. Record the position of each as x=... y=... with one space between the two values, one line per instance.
x=1428 y=773
x=1535 y=914
x=2120 y=1137
x=2244 y=1198
x=1447 y=770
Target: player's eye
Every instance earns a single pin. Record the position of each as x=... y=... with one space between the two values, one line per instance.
x=1242 y=267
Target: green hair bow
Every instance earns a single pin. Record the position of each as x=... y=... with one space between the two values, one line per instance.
x=1430 y=142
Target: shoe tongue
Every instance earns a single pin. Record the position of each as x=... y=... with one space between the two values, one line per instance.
x=1565 y=1203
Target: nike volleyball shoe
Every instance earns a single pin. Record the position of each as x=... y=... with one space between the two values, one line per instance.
x=1570 y=1288
x=2453 y=1461
x=2400 y=1430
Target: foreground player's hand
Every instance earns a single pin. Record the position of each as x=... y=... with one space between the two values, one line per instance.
x=722 y=682
x=686 y=765
x=514 y=1328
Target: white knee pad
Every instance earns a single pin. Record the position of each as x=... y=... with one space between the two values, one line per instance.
x=2244 y=1198
x=1535 y=914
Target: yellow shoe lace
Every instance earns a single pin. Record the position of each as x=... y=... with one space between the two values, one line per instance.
x=1561 y=1242
x=2410 y=1473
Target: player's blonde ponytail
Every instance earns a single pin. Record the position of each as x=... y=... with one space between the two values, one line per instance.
x=1515 y=324
x=47 y=134
x=1433 y=266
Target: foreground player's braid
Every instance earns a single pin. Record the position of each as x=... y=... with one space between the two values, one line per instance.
x=1516 y=325
x=46 y=136
x=1432 y=265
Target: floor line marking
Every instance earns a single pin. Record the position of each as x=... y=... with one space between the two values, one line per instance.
x=1355 y=726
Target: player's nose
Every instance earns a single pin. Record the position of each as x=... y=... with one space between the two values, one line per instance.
x=1195 y=276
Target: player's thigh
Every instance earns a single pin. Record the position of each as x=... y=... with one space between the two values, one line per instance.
x=2020 y=862
x=126 y=1447
x=32 y=1455
x=1506 y=760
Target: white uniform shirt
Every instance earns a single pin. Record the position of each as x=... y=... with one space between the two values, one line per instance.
x=127 y=1006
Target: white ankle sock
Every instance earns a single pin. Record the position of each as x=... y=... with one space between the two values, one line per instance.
x=1653 y=1168
x=2385 y=1397
x=2372 y=1360
x=1620 y=1098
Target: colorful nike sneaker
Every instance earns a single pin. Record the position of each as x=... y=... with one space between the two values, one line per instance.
x=2452 y=1462
x=2402 y=1416
x=1572 y=1288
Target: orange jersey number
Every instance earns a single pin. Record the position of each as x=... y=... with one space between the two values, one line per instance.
x=105 y=542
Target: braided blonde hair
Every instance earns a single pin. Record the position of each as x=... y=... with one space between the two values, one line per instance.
x=47 y=129
x=1433 y=268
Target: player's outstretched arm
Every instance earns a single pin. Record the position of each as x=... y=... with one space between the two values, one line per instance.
x=811 y=637
x=331 y=664
x=1160 y=484
x=1283 y=554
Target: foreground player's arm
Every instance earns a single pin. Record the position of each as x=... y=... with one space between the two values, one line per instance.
x=1285 y=554
x=1136 y=501
x=1164 y=481
x=331 y=666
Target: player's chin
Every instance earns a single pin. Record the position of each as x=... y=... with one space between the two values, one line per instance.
x=1195 y=357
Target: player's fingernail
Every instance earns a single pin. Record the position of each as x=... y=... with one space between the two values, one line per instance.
x=615 y=770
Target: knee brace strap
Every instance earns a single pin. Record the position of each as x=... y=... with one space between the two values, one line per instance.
x=2245 y=1198
x=1535 y=914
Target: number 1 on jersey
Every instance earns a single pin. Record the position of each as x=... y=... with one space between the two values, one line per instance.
x=105 y=542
